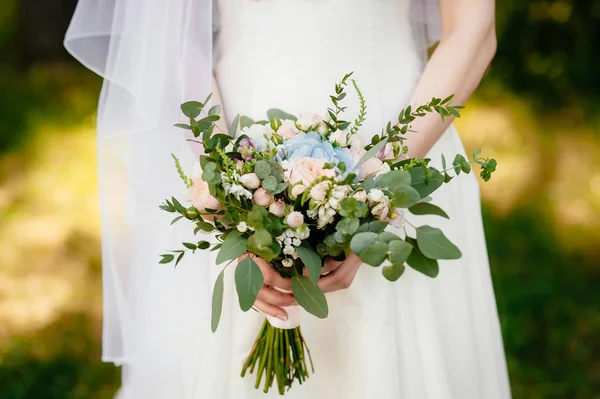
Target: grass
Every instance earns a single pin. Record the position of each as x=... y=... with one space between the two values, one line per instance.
x=541 y=213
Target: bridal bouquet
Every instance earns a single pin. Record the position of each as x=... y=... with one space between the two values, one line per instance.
x=295 y=190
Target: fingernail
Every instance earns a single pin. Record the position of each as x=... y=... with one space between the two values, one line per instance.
x=282 y=317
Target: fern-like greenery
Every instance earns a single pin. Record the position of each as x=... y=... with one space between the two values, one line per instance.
x=186 y=180
x=363 y=109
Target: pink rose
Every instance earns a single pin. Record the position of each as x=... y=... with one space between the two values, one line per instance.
x=201 y=198
x=250 y=180
x=357 y=144
x=319 y=191
x=307 y=170
x=295 y=220
x=287 y=130
x=370 y=168
x=262 y=198
x=297 y=190
x=277 y=208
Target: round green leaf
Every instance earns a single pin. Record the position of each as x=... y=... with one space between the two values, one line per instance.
x=362 y=241
x=399 y=251
x=375 y=254
x=270 y=183
x=386 y=236
x=425 y=183
x=433 y=244
x=394 y=271
x=262 y=169
x=405 y=196
x=191 y=109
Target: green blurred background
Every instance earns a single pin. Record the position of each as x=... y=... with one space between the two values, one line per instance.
x=536 y=112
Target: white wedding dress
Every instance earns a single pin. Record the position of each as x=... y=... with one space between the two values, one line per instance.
x=418 y=338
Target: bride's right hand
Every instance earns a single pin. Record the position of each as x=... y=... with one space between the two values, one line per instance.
x=269 y=300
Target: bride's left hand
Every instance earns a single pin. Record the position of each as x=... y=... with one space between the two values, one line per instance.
x=339 y=275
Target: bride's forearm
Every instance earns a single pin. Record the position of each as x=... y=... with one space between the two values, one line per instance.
x=456 y=67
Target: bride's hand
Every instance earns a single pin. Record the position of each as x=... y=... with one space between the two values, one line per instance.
x=270 y=300
x=339 y=275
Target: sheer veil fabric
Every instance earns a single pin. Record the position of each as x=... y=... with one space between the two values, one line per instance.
x=154 y=55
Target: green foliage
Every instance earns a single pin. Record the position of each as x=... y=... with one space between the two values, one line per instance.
x=310 y=296
x=217 y=302
x=362 y=113
x=311 y=261
x=424 y=208
x=234 y=246
x=248 y=281
x=420 y=262
x=433 y=244
x=186 y=180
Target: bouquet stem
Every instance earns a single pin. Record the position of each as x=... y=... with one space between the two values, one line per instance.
x=278 y=354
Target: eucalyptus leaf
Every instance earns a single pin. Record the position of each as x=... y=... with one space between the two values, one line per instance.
x=235 y=126
x=399 y=251
x=310 y=296
x=424 y=208
x=433 y=244
x=370 y=154
x=262 y=169
x=394 y=178
x=420 y=262
x=425 y=181
x=375 y=254
x=311 y=261
x=217 y=302
x=248 y=281
x=245 y=122
x=191 y=109
x=393 y=272
x=405 y=196
x=348 y=225
x=361 y=241
x=279 y=114
x=233 y=247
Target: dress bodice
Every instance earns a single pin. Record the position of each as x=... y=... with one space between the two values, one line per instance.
x=289 y=53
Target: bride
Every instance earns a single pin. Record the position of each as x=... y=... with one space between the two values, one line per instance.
x=415 y=339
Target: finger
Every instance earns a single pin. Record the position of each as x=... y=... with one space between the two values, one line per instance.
x=332 y=282
x=271 y=276
x=271 y=310
x=274 y=297
x=330 y=265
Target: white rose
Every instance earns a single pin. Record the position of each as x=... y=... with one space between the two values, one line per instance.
x=297 y=190
x=375 y=195
x=250 y=180
x=319 y=191
x=361 y=196
x=295 y=220
x=287 y=130
x=340 y=137
x=307 y=121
